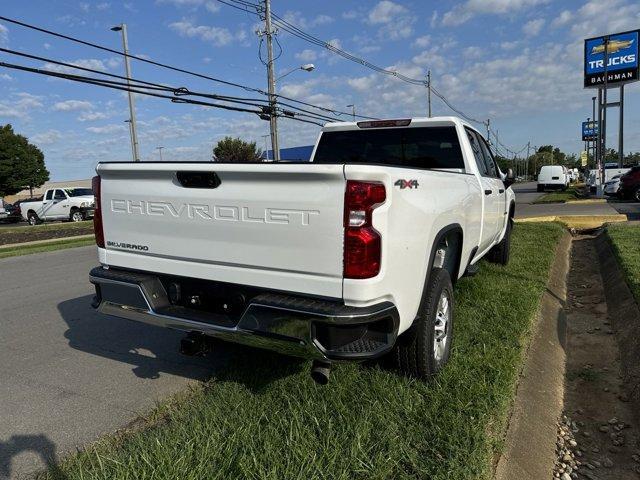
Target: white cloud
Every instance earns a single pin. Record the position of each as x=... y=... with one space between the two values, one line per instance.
x=72 y=106
x=433 y=23
x=84 y=7
x=4 y=35
x=473 y=52
x=20 y=105
x=91 y=63
x=422 y=42
x=385 y=12
x=350 y=15
x=321 y=20
x=509 y=45
x=103 y=6
x=396 y=21
x=46 y=138
x=533 y=27
x=47 y=46
x=597 y=18
x=212 y=7
x=307 y=55
x=108 y=129
x=464 y=12
x=218 y=36
x=92 y=116
x=362 y=84
x=565 y=17
x=6 y=77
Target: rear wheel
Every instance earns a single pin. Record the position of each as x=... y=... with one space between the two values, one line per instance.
x=636 y=194
x=540 y=188
x=500 y=252
x=424 y=349
x=33 y=218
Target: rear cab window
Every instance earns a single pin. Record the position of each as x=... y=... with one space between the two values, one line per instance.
x=436 y=148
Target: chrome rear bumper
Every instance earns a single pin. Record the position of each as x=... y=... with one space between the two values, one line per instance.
x=292 y=325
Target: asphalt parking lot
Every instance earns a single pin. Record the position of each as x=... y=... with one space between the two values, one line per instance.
x=526 y=194
x=69 y=374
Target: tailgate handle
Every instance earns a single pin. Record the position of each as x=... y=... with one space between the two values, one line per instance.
x=198 y=179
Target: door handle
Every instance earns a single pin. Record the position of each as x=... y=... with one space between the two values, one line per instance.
x=488 y=192
x=501 y=190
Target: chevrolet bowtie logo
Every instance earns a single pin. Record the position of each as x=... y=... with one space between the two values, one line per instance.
x=614 y=46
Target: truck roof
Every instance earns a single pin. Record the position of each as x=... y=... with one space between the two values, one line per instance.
x=414 y=122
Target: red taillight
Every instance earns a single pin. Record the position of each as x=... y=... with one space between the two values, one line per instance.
x=97 y=214
x=362 y=243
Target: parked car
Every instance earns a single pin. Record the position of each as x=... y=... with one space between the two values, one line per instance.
x=348 y=257
x=552 y=177
x=630 y=184
x=9 y=213
x=73 y=204
x=612 y=187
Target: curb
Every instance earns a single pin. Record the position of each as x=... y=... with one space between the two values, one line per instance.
x=44 y=242
x=539 y=397
x=588 y=200
x=577 y=221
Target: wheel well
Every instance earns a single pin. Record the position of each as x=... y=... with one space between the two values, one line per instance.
x=31 y=211
x=74 y=208
x=447 y=251
x=512 y=210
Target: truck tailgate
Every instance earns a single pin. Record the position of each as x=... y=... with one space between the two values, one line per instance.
x=278 y=226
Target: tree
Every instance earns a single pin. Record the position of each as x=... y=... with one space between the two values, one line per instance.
x=235 y=150
x=21 y=163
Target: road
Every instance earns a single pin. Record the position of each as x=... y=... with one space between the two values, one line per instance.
x=526 y=194
x=69 y=374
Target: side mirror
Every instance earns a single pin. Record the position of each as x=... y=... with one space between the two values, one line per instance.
x=509 y=178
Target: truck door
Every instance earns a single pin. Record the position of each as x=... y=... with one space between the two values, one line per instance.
x=489 y=192
x=500 y=192
x=60 y=205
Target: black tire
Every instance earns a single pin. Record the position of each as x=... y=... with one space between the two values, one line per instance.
x=33 y=219
x=500 y=253
x=76 y=216
x=636 y=194
x=415 y=350
x=540 y=188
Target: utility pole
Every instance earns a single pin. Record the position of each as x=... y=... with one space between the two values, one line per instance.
x=593 y=119
x=266 y=147
x=160 y=151
x=603 y=150
x=489 y=130
x=527 y=173
x=621 y=128
x=429 y=91
x=353 y=111
x=273 y=119
x=132 y=108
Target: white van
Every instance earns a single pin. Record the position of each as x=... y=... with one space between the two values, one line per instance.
x=552 y=177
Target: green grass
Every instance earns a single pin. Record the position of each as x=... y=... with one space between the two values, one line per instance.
x=626 y=246
x=48 y=227
x=262 y=417
x=571 y=193
x=46 y=247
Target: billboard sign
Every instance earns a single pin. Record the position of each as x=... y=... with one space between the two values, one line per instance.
x=589 y=131
x=622 y=59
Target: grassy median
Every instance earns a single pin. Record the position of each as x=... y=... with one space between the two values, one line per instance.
x=28 y=233
x=574 y=192
x=45 y=247
x=263 y=417
x=626 y=245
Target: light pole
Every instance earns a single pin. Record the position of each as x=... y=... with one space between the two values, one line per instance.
x=160 y=151
x=307 y=67
x=132 y=109
x=353 y=111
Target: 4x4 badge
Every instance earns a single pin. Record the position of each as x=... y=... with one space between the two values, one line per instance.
x=406 y=184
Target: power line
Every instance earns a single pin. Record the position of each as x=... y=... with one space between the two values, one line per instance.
x=169 y=67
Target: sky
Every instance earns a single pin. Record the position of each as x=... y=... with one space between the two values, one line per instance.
x=516 y=62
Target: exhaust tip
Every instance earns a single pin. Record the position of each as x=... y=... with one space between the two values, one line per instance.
x=320 y=372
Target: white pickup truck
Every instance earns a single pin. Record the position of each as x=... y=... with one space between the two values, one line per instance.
x=349 y=257
x=73 y=204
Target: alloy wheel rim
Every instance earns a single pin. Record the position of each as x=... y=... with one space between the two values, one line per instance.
x=441 y=326
x=77 y=217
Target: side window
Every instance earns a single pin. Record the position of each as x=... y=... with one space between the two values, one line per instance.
x=488 y=156
x=49 y=195
x=477 y=152
x=60 y=195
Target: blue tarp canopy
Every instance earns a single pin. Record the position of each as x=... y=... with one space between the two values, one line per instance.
x=293 y=154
